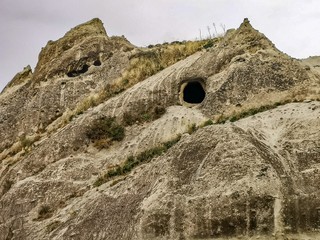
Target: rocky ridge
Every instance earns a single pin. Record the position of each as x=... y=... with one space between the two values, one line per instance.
x=256 y=177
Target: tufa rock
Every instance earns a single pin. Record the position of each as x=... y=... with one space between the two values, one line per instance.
x=174 y=174
x=19 y=78
x=58 y=82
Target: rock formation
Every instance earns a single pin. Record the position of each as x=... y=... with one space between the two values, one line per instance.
x=87 y=153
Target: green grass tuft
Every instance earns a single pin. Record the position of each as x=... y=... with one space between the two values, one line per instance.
x=106 y=127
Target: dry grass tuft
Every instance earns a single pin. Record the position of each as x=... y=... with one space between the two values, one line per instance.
x=133 y=161
x=272 y=101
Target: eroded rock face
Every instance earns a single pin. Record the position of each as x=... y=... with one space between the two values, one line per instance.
x=19 y=78
x=69 y=69
x=257 y=177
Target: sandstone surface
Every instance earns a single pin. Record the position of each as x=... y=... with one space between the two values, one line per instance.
x=216 y=176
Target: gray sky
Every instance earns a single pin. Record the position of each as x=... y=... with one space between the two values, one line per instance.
x=26 y=26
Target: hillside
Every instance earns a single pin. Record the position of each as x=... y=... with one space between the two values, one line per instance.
x=215 y=139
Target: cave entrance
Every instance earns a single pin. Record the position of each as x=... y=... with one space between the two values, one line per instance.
x=76 y=73
x=193 y=92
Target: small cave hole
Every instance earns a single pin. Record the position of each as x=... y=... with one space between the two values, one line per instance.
x=97 y=63
x=76 y=73
x=193 y=92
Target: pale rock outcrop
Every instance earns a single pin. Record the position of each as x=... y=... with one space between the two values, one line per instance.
x=69 y=69
x=256 y=177
x=20 y=78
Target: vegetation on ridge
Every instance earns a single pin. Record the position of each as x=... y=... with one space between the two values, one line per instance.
x=145 y=156
x=235 y=116
x=133 y=161
x=146 y=63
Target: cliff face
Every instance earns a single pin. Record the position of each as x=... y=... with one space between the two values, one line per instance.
x=166 y=157
x=68 y=70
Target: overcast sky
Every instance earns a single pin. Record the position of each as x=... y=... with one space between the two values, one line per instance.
x=26 y=26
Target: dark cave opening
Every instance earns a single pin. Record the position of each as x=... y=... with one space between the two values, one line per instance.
x=193 y=92
x=76 y=73
x=97 y=62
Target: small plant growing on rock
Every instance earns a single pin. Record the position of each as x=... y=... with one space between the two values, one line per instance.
x=209 y=44
x=207 y=123
x=106 y=127
x=25 y=141
x=192 y=128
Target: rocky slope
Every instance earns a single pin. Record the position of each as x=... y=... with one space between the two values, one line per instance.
x=313 y=63
x=156 y=160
